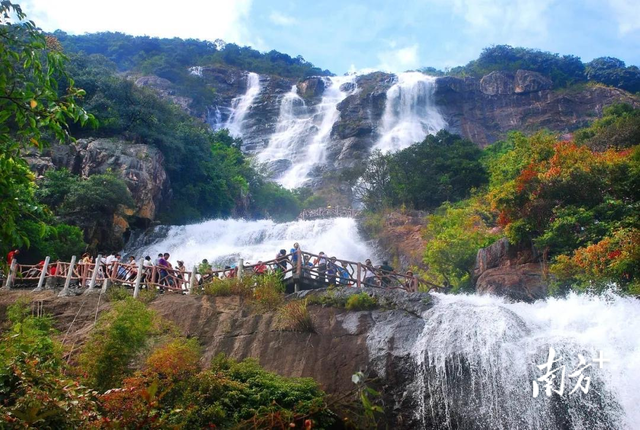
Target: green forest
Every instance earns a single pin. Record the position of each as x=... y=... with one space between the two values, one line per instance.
x=577 y=202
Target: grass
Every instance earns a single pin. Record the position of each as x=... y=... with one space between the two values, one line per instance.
x=295 y=316
x=265 y=292
x=361 y=302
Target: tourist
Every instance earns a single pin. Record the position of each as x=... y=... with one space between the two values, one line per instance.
x=369 y=274
x=385 y=271
x=294 y=254
x=260 y=269
x=281 y=261
x=165 y=267
x=109 y=263
x=344 y=274
x=132 y=269
x=306 y=266
x=147 y=264
x=181 y=274
x=13 y=255
x=85 y=262
x=332 y=271
x=411 y=283
x=321 y=263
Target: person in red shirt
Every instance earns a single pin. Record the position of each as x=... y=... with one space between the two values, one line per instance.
x=12 y=254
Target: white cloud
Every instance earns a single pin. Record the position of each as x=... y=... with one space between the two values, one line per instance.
x=508 y=21
x=224 y=19
x=627 y=13
x=280 y=19
x=399 y=60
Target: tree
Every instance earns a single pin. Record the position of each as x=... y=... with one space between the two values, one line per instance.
x=32 y=108
x=374 y=187
x=444 y=167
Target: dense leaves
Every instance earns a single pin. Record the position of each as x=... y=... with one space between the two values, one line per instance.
x=563 y=70
x=32 y=107
x=444 y=167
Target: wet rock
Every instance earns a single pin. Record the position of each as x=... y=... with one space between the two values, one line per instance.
x=523 y=282
x=311 y=88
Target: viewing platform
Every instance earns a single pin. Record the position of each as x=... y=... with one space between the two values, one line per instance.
x=328 y=212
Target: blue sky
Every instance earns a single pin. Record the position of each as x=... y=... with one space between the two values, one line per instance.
x=343 y=35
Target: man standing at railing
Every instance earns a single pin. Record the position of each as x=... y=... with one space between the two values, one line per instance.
x=12 y=255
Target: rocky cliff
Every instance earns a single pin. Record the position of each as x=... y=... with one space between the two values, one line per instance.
x=483 y=110
x=140 y=166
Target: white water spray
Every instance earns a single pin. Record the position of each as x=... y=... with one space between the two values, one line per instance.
x=240 y=105
x=223 y=242
x=477 y=360
x=410 y=113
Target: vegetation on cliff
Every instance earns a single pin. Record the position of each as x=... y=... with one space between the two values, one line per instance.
x=563 y=70
x=576 y=202
x=136 y=371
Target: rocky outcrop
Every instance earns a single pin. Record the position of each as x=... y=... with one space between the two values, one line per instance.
x=140 y=166
x=166 y=90
x=513 y=272
x=485 y=110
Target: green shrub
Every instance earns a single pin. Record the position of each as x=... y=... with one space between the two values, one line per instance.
x=119 y=336
x=361 y=302
x=269 y=292
x=34 y=392
x=118 y=293
x=295 y=316
x=230 y=287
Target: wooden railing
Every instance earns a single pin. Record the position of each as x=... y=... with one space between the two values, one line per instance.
x=300 y=267
x=332 y=212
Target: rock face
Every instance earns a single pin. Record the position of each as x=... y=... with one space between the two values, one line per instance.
x=512 y=272
x=140 y=166
x=485 y=110
x=482 y=110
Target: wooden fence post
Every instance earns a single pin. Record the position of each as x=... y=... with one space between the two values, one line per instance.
x=67 y=282
x=192 y=279
x=12 y=274
x=358 y=277
x=136 y=287
x=240 y=270
x=96 y=270
x=43 y=275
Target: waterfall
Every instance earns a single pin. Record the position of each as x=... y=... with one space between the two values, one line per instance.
x=240 y=105
x=291 y=133
x=214 y=118
x=477 y=355
x=225 y=241
x=410 y=113
x=303 y=134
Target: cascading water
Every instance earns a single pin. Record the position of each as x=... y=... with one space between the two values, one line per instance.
x=223 y=242
x=476 y=362
x=240 y=105
x=291 y=134
x=302 y=134
x=410 y=113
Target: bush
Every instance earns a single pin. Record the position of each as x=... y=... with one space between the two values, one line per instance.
x=269 y=292
x=119 y=336
x=361 y=302
x=118 y=293
x=230 y=287
x=295 y=316
x=34 y=393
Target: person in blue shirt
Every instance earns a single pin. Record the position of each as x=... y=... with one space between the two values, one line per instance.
x=294 y=255
x=345 y=276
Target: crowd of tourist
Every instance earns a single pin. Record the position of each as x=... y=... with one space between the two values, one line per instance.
x=161 y=272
